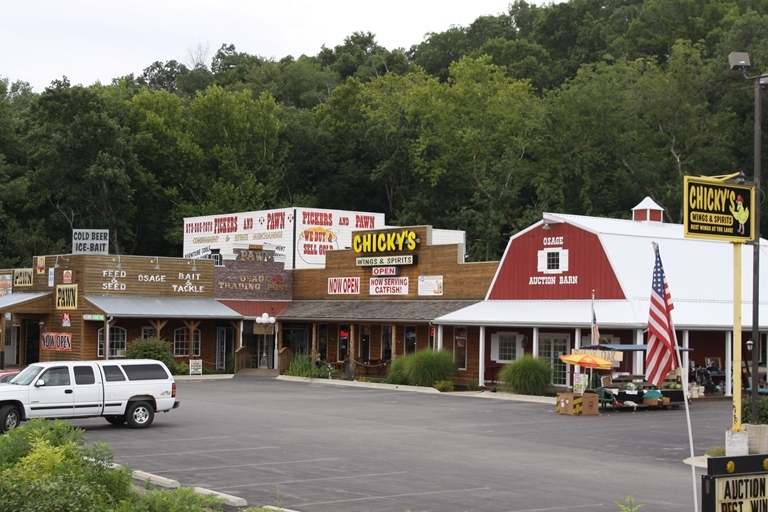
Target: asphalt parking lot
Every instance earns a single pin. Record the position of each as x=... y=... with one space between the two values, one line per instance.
x=319 y=447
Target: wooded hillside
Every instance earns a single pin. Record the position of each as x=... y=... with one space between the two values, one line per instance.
x=581 y=107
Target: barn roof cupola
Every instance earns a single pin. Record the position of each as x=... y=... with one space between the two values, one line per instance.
x=648 y=211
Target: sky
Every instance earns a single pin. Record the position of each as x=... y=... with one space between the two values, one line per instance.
x=98 y=40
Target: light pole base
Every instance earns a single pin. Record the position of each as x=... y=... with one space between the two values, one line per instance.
x=736 y=443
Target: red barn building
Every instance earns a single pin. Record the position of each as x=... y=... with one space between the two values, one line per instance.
x=540 y=300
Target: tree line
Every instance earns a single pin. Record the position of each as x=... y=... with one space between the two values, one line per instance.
x=580 y=107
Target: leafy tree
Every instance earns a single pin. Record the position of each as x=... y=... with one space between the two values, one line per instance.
x=83 y=168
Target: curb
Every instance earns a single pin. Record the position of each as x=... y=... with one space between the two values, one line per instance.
x=354 y=383
x=202 y=378
x=146 y=480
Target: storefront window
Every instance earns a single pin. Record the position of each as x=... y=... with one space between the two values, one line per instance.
x=410 y=339
x=551 y=347
x=460 y=347
x=117 y=341
x=148 y=332
x=343 y=349
x=386 y=342
x=181 y=342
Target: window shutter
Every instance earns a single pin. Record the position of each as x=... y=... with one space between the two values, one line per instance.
x=564 y=260
x=494 y=347
x=542 y=264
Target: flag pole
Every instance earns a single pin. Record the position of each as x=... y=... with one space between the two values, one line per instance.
x=685 y=399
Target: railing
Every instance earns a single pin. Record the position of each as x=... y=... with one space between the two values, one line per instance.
x=243 y=358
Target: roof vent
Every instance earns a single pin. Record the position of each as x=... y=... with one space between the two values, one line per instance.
x=648 y=210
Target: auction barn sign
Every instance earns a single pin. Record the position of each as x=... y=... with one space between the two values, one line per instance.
x=718 y=211
x=738 y=484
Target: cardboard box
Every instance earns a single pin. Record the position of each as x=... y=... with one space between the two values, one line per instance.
x=605 y=381
x=576 y=404
x=651 y=401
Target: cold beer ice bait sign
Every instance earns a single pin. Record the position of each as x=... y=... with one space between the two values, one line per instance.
x=718 y=211
x=90 y=241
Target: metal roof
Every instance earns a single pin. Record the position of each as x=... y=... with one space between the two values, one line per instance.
x=700 y=274
x=14 y=299
x=162 y=307
x=373 y=310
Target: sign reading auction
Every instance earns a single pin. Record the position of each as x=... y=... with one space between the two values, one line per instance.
x=718 y=211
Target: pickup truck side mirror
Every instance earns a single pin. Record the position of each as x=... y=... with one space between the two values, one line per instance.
x=40 y=383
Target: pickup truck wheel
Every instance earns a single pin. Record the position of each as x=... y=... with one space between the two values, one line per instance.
x=10 y=418
x=139 y=414
x=115 y=420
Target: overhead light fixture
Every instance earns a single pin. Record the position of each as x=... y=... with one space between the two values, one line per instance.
x=56 y=264
x=119 y=265
x=157 y=263
x=546 y=225
x=194 y=265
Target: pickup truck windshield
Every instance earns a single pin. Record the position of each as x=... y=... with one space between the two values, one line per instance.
x=27 y=375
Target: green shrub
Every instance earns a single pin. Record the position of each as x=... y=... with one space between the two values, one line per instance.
x=182 y=499
x=472 y=385
x=47 y=460
x=396 y=372
x=180 y=369
x=151 y=348
x=422 y=368
x=444 y=386
x=527 y=376
x=429 y=366
x=302 y=366
x=762 y=410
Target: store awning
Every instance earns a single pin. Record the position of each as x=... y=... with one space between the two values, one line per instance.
x=14 y=299
x=371 y=310
x=162 y=307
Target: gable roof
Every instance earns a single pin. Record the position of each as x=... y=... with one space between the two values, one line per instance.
x=700 y=274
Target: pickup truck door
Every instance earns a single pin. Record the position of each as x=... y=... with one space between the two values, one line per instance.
x=89 y=390
x=54 y=397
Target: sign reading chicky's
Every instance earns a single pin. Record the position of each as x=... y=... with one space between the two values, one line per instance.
x=718 y=211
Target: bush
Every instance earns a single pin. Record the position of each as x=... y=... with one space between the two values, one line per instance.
x=152 y=348
x=302 y=366
x=47 y=460
x=45 y=466
x=472 y=385
x=444 y=386
x=762 y=410
x=527 y=376
x=422 y=368
x=429 y=366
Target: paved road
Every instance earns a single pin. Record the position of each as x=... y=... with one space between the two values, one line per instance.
x=313 y=448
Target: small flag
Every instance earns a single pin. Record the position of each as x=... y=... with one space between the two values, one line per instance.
x=595 y=330
x=660 y=355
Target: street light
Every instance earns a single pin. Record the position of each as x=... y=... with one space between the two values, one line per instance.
x=740 y=61
x=264 y=320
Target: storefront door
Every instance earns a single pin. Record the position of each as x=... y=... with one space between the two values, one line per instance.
x=12 y=345
x=264 y=350
x=31 y=334
x=225 y=345
x=551 y=347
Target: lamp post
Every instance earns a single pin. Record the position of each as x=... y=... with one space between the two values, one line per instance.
x=264 y=320
x=740 y=61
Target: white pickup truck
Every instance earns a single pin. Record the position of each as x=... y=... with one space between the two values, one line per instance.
x=127 y=390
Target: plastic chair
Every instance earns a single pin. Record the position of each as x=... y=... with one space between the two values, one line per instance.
x=605 y=397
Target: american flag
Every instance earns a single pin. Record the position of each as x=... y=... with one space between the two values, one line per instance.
x=595 y=330
x=660 y=357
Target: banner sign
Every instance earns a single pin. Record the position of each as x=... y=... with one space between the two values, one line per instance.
x=61 y=341
x=718 y=211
